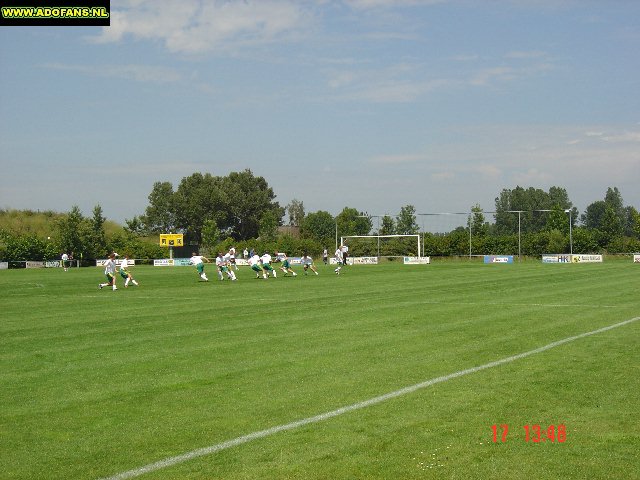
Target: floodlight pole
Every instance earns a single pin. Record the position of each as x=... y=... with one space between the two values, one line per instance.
x=570 y=231
x=519 y=233
x=469 y=236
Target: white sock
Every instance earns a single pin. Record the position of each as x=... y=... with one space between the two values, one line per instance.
x=134 y=282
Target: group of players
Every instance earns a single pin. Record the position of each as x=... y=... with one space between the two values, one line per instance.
x=225 y=266
x=110 y=267
x=261 y=265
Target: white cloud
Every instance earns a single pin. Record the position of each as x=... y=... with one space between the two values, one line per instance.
x=198 y=26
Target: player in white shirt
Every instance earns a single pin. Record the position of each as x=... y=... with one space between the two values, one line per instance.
x=307 y=264
x=345 y=253
x=232 y=258
x=266 y=265
x=65 y=261
x=198 y=261
x=256 y=266
x=339 y=260
x=125 y=273
x=228 y=266
x=110 y=272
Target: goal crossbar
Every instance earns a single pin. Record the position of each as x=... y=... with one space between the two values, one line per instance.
x=342 y=239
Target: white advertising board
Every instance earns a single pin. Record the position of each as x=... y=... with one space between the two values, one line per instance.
x=417 y=260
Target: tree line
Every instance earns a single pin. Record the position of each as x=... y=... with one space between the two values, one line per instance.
x=240 y=209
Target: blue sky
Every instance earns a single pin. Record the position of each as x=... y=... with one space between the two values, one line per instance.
x=373 y=104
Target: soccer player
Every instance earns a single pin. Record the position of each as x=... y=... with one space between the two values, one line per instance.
x=345 y=253
x=325 y=256
x=254 y=261
x=125 y=273
x=232 y=258
x=307 y=264
x=229 y=262
x=266 y=265
x=110 y=272
x=65 y=261
x=198 y=261
x=339 y=260
x=286 y=267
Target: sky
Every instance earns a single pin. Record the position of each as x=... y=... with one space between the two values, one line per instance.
x=372 y=104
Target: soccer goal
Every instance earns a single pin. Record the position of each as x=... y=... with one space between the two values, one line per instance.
x=390 y=246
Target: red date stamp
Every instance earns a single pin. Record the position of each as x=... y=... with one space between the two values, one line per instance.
x=532 y=433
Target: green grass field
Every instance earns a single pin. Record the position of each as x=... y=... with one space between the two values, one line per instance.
x=95 y=383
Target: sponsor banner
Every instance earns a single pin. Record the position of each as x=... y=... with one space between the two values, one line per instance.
x=356 y=261
x=53 y=264
x=241 y=262
x=101 y=263
x=498 y=259
x=163 y=262
x=362 y=260
x=417 y=260
x=636 y=259
x=181 y=262
x=31 y=264
x=556 y=258
x=4 y=265
x=586 y=258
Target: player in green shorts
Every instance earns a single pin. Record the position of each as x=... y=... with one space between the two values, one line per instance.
x=286 y=267
x=266 y=265
x=125 y=273
x=257 y=267
x=198 y=261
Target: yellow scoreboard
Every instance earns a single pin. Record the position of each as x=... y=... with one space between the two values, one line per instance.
x=171 y=240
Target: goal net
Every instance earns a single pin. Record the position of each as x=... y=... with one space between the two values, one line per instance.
x=389 y=246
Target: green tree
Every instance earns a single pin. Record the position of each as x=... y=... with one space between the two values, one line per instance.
x=636 y=222
x=159 y=216
x=211 y=234
x=72 y=232
x=406 y=221
x=295 y=209
x=611 y=227
x=96 y=238
x=248 y=199
x=613 y=198
x=479 y=227
x=387 y=226
x=269 y=226
x=136 y=226
x=197 y=199
x=558 y=220
x=352 y=222
x=594 y=214
x=319 y=226
x=631 y=214
x=529 y=202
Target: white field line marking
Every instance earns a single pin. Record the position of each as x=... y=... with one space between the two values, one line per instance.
x=201 y=452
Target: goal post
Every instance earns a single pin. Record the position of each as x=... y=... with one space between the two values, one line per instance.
x=378 y=237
